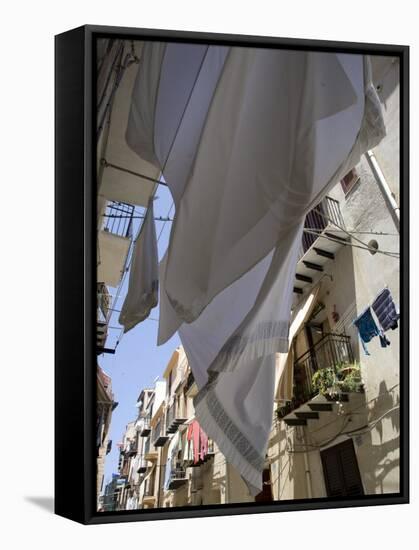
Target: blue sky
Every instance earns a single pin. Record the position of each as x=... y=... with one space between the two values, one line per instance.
x=138 y=360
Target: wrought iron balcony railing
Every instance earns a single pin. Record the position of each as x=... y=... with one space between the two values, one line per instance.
x=158 y=437
x=146 y=429
x=175 y=416
x=329 y=352
x=178 y=478
x=119 y=218
x=131 y=448
x=326 y=213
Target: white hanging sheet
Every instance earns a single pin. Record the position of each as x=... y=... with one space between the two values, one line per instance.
x=142 y=293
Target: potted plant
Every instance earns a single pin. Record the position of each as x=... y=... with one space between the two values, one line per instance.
x=342 y=378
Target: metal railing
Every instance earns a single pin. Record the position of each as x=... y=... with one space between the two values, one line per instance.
x=157 y=431
x=147 y=446
x=119 y=218
x=178 y=473
x=131 y=447
x=318 y=220
x=175 y=416
x=145 y=426
x=330 y=351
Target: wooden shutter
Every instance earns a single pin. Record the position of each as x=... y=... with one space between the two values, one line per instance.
x=341 y=471
x=348 y=181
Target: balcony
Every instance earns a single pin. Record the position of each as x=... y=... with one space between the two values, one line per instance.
x=177 y=478
x=158 y=437
x=209 y=454
x=333 y=352
x=191 y=388
x=146 y=429
x=150 y=452
x=175 y=417
x=131 y=448
x=142 y=466
x=114 y=240
x=118 y=219
x=323 y=237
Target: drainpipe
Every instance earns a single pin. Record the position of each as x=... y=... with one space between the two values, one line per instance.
x=384 y=187
x=306 y=466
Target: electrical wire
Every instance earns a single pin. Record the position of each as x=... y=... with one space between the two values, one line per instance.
x=344 y=243
x=354 y=232
x=370 y=248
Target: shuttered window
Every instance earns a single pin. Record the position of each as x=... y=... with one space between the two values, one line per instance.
x=341 y=471
x=349 y=181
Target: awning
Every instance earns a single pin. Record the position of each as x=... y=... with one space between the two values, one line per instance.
x=284 y=363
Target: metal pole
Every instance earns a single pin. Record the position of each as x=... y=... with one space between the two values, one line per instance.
x=384 y=187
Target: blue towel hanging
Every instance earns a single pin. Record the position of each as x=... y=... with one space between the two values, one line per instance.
x=367 y=329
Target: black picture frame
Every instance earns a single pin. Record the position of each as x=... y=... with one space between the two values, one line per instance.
x=75 y=295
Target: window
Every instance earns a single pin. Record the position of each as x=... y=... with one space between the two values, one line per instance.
x=341 y=472
x=349 y=181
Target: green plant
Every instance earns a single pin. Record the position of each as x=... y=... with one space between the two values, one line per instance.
x=350 y=378
x=323 y=379
x=343 y=377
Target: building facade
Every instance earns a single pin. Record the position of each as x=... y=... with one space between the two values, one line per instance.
x=105 y=404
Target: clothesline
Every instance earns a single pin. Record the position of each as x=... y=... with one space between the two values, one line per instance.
x=354 y=232
x=366 y=247
x=370 y=248
x=306 y=229
x=107 y=164
x=140 y=216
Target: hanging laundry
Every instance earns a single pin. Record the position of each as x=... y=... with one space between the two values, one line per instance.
x=185 y=454
x=142 y=293
x=384 y=341
x=194 y=437
x=385 y=310
x=249 y=145
x=279 y=157
x=203 y=444
x=367 y=329
x=171 y=457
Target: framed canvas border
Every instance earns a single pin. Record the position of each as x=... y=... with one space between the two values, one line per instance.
x=75 y=278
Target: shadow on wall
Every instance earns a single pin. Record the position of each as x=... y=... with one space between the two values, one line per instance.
x=374 y=427
x=379 y=448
